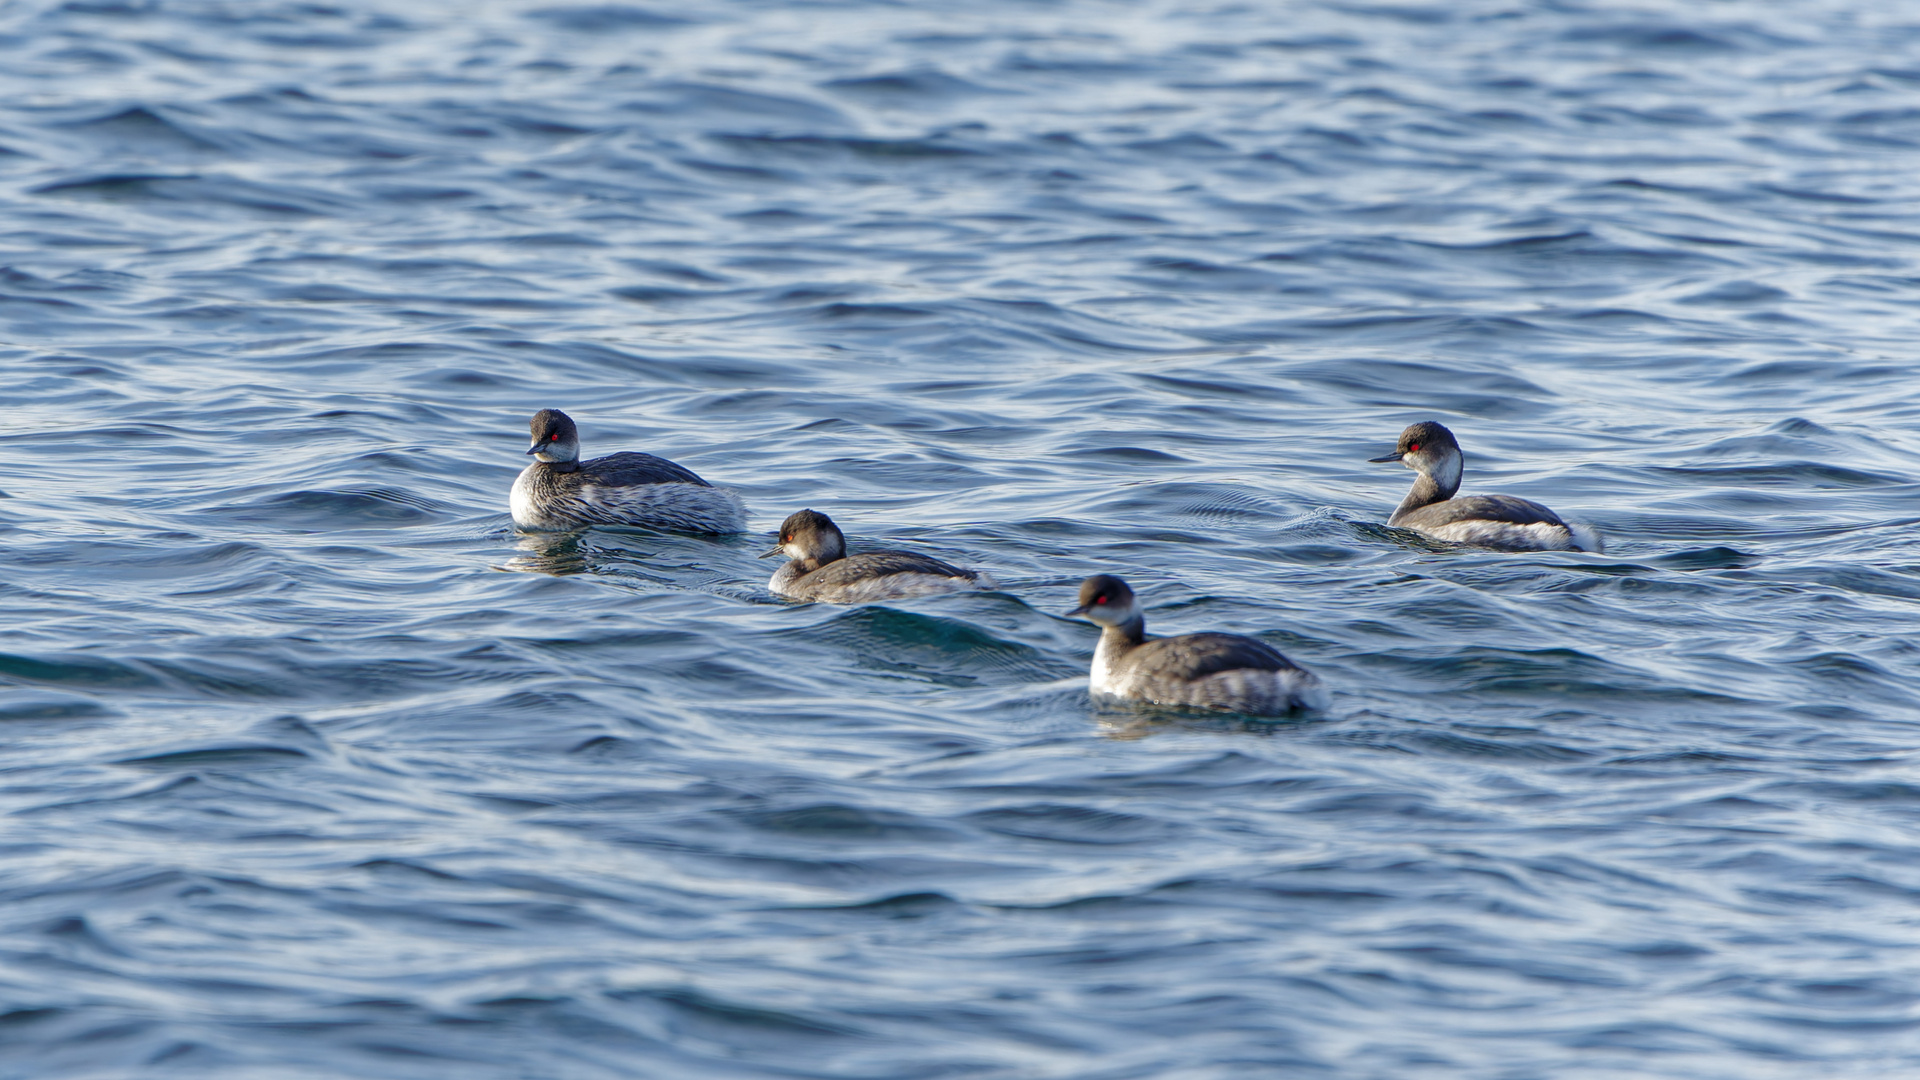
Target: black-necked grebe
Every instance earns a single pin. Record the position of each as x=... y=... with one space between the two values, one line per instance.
x=1506 y=522
x=819 y=567
x=559 y=491
x=1204 y=671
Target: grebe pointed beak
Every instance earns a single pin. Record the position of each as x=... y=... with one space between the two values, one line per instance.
x=1395 y=456
x=1081 y=610
x=534 y=449
x=771 y=552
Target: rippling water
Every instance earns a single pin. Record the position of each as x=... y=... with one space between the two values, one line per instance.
x=315 y=768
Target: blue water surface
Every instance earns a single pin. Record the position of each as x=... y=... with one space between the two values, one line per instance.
x=314 y=768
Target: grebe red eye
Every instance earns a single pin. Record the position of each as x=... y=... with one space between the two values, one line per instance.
x=1099 y=599
x=1414 y=449
x=555 y=437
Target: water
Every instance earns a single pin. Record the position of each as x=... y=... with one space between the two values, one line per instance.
x=314 y=768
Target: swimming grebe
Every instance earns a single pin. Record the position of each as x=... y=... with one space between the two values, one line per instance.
x=1205 y=671
x=559 y=491
x=1506 y=522
x=820 y=568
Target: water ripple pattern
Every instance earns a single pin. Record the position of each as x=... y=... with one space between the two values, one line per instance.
x=315 y=768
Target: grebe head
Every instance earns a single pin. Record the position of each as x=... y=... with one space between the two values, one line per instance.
x=1428 y=448
x=809 y=536
x=555 y=438
x=1107 y=601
